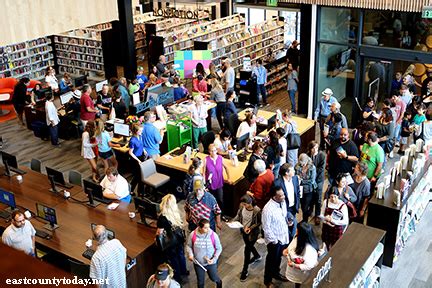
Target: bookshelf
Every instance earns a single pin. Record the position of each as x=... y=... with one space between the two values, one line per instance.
x=184 y=38
x=79 y=52
x=30 y=58
x=140 y=33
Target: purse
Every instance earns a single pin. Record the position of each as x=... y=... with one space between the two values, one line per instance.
x=170 y=238
x=293 y=141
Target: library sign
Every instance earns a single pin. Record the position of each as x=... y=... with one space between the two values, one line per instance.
x=174 y=13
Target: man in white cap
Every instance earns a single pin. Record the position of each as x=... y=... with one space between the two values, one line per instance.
x=324 y=109
x=229 y=75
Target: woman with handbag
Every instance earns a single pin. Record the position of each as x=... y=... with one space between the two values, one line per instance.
x=170 y=237
x=346 y=194
x=306 y=171
x=334 y=215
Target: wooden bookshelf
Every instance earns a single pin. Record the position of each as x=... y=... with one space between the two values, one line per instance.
x=30 y=59
x=140 y=32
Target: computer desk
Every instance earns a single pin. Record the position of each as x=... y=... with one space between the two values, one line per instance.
x=74 y=220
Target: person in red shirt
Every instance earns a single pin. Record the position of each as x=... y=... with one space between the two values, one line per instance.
x=260 y=188
x=88 y=111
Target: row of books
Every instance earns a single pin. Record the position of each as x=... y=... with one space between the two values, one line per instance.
x=78 y=41
x=39 y=42
x=78 y=49
x=82 y=57
x=80 y=64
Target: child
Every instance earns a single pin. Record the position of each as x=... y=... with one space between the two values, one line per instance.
x=134 y=87
x=141 y=78
x=405 y=132
x=418 y=119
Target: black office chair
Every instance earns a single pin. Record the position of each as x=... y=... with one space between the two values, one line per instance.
x=79 y=269
x=35 y=165
x=206 y=140
x=75 y=178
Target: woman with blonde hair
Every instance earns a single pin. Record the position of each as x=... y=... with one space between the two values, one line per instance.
x=163 y=278
x=170 y=225
x=103 y=139
x=217 y=94
x=306 y=171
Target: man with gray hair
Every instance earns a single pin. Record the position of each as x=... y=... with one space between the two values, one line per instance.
x=160 y=66
x=229 y=75
x=335 y=108
x=260 y=188
x=109 y=261
x=151 y=136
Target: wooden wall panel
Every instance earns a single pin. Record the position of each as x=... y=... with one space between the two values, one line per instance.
x=29 y=19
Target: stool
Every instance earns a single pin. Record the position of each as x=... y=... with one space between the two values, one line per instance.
x=4 y=97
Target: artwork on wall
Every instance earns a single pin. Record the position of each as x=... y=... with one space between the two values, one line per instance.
x=186 y=61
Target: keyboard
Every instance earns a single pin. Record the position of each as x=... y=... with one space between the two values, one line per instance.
x=17 y=170
x=122 y=143
x=88 y=253
x=65 y=185
x=4 y=214
x=104 y=200
x=42 y=234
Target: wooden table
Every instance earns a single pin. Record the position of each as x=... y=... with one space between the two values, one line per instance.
x=263 y=117
x=75 y=218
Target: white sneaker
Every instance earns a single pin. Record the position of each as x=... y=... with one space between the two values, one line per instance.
x=261 y=241
x=391 y=155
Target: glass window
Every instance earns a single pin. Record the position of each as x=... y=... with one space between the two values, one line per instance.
x=339 y=25
x=256 y=16
x=392 y=29
x=270 y=13
x=292 y=25
x=245 y=12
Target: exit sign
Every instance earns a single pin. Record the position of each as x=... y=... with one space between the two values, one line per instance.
x=272 y=3
x=427 y=12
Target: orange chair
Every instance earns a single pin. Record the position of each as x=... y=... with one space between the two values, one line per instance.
x=7 y=86
x=33 y=83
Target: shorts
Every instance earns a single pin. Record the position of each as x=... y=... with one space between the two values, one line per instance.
x=404 y=140
x=106 y=155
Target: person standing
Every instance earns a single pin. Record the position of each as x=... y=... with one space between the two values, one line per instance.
x=217 y=94
x=152 y=137
x=292 y=86
x=104 y=102
x=169 y=222
x=261 y=187
x=274 y=153
x=19 y=98
x=20 y=234
x=88 y=111
x=319 y=160
x=257 y=152
x=163 y=278
x=291 y=187
x=122 y=88
x=204 y=249
x=137 y=156
x=249 y=215
x=323 y=110
x=161 y=68
x=199 y=119
x=399 y=108
x=109 y=260
x=52 y=119
x=290 y=127
x=373 y=155
x=261 y=75
x=141 y=78
x=306 y=171
x=361 y=187
x=228 y=76
x=276 y=236
x=213 y=171
x=103 y=139
x=87 y=148
x=293 y=54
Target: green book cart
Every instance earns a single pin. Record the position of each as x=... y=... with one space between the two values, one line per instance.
x=179 y=132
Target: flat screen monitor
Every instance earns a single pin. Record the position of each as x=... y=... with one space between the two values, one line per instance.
x=80 y=81
x=110 y=233
x=121 y=129
x=57 y=175
x=135 y=98
x=99 y=85
x=242 y=141
x=94 y=193
x=48 y=214
x=146 y=208
x=10 y=159
x=65 y=98
x=42 y=94
x=7 y=198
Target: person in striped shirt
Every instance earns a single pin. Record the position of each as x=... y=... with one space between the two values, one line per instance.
x=202 y=205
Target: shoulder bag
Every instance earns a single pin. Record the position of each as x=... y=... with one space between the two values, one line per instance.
x=293 y=141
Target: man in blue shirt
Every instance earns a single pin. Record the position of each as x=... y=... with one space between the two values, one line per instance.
x=261 y=74
x=151 y=136
x=142 y=79
x=323 y=110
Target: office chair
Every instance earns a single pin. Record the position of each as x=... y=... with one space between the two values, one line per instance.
x=150 y=177
x=79 y=269
x=75 y=178
x=35 y=165
x=206 y=140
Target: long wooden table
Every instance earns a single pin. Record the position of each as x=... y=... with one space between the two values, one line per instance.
x=75 y=219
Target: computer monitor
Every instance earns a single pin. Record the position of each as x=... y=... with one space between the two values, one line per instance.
x=80 y=81
x=42 y=94
x=146 y=208
x=8 y=198
x=94 y=193
x=121 y=129
x=110 y=233
x=99 y=85
x=10 y=163
x=65 y=98
x=242 y=142
x=136 y=98
x=57 y=175
x=48 y=214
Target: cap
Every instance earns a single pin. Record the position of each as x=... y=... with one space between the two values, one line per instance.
x=198 y=183
x=140 y=68
x=327 y=91
x=77 y=94
x=162 y=274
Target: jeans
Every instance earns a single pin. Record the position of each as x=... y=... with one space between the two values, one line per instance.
x=306 y=205
x=275 y=170
x=212 y=273
x=218 y=194
x=273 y=261
x=291 y=94
x=249 y=248
x=220 y=111
x=54 y=134
x=262 y=90
x=197 y=133
x=317 y=200
x=177 y=259
x=293 y=228
x=397 y=132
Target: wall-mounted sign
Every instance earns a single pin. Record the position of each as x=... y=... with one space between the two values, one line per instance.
x=174 y=13
x=324 y=272
x=427 y=12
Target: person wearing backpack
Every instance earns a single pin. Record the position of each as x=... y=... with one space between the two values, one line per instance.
x=204 y=249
